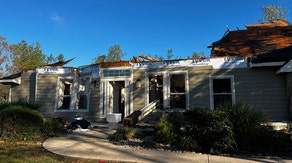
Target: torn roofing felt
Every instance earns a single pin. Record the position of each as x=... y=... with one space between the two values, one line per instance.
x=271 y=41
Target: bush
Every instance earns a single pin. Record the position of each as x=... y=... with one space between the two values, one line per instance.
x=20 y=123
x=267 y=140
x=245 y=121
x=212 y=130
x=53 y=127
x=163 y=131
x=148 y=144
x=21 y=103
x=187 y=143
x=124 y=134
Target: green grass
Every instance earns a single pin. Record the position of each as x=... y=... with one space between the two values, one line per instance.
x=30 y=152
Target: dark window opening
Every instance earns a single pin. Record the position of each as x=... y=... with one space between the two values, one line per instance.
x=222 y=91
x=177 y=91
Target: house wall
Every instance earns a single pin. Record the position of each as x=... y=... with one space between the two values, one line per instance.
x=46 y=95
x=26 y=90
x=260 y=87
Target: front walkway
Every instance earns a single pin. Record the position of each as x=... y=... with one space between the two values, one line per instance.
x=93 y=144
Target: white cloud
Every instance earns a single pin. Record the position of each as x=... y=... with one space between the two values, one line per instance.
x=57 y=19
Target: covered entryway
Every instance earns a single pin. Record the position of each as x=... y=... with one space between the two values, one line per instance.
x=115 y=99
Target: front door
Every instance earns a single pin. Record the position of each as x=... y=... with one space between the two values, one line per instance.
x=115 y=97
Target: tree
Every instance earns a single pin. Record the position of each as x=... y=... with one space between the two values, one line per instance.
x=169 y=54
x=5 y=57
x=27 y=56
x=99 y=59
x=273 y=12
x=198 y=55
x=4 y=68
x=115 y=53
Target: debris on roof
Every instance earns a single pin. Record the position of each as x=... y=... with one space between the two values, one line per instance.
x=114 y=64
x=148 y=58
x=256 y=40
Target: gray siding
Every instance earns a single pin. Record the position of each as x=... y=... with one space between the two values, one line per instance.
x=26 y=90
x=264 y=89
x=260 y=87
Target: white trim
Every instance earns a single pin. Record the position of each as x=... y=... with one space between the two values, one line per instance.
x=231 y=77
x=286 y=68
x=55 y=70
x=216 y=63
x=166 y=87
x=72 y=107
x=15 y=80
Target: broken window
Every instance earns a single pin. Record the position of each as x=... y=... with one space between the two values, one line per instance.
x=177 y=91
x=156 y=88
x=83 y=93
x=65 y=93
x=222 y=91
x=73 y=94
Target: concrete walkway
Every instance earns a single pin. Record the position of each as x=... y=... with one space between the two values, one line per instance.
x=93 y=144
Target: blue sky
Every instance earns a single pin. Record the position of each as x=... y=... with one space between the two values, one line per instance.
x=87 y=28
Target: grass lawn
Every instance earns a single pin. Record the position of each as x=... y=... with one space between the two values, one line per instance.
x=24 y=152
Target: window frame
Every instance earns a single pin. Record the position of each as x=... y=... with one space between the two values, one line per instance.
x=74 y=94
x=86 y=92
x=232 y=85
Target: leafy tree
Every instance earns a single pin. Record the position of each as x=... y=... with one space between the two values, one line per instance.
x=115 y=53
x=4 y=57
x=169 y=54
x=198 y=55
x=99 y=59
x=52 y=59
x=158 y=57
x=4 y=68
x=27 y=56
x=273 y=12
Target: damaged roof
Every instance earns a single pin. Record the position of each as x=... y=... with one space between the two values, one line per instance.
x=267 y=39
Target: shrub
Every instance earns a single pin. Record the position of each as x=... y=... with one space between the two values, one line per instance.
x=21 y=103
x=187 y=143
x=20 y=123
x=148 y=144
x=212 y=130
x=163 y=130
x=52 y=127
x=245 y=119
x=267 y=140
x=124 y=134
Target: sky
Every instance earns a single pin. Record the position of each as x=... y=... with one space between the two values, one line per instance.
x=87 y=28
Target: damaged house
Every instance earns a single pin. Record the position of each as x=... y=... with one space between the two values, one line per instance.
x=248 y=66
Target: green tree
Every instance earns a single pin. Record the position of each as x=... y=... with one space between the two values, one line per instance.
x=198 y=55
x=5 y=67
x=273 y=12
x=99 y=59
x=27 y=56
x=169 y=54
x=115 y=53
x=52 y=59
x=5 y=57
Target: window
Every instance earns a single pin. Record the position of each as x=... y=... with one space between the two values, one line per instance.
x=116 y=73
x=83 y=93
x=64 y=94
x=177 y=91
x=73 y=94
x=222 y=90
